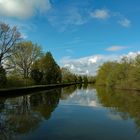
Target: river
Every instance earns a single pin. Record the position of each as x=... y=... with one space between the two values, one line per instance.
x=71 y=113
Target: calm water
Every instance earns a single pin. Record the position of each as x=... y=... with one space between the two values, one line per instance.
x=71 y=114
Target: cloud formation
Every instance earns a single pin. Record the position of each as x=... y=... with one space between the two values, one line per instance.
x=115 y=48
x=125 y=22
x=22 y=9
x=104 y=14
x=86 y=65
x=100 y=14
x=90 y=65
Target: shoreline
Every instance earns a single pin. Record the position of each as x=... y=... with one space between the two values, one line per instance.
x=116 y=88
x=31 y=89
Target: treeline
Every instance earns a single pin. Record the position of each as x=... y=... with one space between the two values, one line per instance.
x=23 y=63
x=124 y=74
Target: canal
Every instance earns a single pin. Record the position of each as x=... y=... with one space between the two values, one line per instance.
x=71 y=113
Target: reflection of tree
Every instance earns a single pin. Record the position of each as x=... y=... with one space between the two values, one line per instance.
x=23 y=114
x=126 y=103
x=67 y=91
x=45 y=103
x=85 y=85
x=17 y=117
x=2 y=101
x=91 y=86
x=79 y=86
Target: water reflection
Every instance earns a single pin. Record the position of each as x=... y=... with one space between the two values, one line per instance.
x=124 y=104
x=82 y=97
x=24 y=115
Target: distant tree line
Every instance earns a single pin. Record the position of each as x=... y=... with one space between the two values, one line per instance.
x=23 y=63
x=124 y=74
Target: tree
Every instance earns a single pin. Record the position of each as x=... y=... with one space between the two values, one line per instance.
x=79 y=79
x=85 y=79
x=3 y=78
x=51 y=70
x=68 y=76
x=9 y=36
x=24 y=57
x=36 y=75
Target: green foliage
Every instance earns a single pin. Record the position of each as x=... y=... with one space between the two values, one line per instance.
x=36 y=75
x=3 y=78
x=13 y=81
x=123 y=74
x=79 y=79
x=26 y=53
x=67 y=76
x=26 y=64
x=91 y=79
x=51 y=70
x=85 y=79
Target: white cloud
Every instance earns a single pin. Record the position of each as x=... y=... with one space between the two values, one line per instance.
x=90 y=65
x=86 y=65
x=103 y=14
x=116 y=48
x=100 y=14
x=125 y=22
x=23 y=8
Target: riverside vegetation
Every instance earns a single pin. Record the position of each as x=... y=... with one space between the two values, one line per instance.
x=124 y=74
x=23 y=63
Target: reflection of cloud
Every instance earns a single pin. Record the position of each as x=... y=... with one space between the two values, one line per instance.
x=83 y=98
x=115 y=117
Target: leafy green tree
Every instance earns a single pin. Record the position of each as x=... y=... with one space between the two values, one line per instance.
x=51 y=70
x=124 y=74
x=103 y=73
x=3 y=78
x=80 y=79
x=91 y=79
x=85 y=79
x=36 y=75
x=136 y=69
x=67 y=76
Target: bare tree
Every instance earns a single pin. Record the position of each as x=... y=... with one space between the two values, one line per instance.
x=9 y=36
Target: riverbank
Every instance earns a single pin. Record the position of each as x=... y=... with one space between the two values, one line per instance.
x=119 y=88
x=26 y=90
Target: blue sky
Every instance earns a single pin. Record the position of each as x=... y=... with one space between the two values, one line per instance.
x=77 y=28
